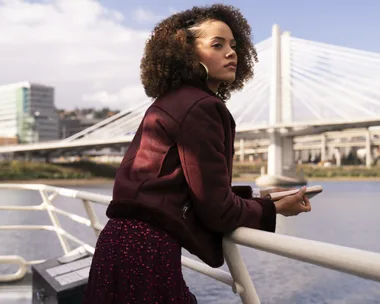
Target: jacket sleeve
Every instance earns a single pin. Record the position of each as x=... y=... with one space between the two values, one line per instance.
x=244 y=191
x=202 y=152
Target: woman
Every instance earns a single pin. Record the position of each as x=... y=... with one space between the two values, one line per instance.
x=173 y=187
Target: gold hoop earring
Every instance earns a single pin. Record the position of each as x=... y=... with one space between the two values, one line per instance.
x=202 y=64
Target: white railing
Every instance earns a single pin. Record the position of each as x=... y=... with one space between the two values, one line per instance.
x=357 y=262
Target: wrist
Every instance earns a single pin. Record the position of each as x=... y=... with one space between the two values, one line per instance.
x=278 y=206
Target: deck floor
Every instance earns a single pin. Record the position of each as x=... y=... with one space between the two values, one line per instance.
x=19 y=292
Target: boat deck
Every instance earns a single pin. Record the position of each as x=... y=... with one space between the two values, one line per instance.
x=18 y=292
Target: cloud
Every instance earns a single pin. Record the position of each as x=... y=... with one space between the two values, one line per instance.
x=142 y=15
x=79 y=47
x=127 y=96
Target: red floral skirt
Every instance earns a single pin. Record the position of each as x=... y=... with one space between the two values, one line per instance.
x=136 y=263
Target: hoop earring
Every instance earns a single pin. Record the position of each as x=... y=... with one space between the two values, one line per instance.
x=202 y=64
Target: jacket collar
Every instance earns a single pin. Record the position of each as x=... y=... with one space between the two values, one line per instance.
x=201 y=85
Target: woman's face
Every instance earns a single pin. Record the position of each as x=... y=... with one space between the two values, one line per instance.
x=215 y=48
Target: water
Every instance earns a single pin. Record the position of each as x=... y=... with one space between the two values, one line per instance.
x=346 y=213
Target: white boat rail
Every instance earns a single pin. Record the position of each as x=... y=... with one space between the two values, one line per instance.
x=357 y=262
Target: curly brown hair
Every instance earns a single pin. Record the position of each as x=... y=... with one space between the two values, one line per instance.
x=170 y=60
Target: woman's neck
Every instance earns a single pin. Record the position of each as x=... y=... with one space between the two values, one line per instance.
x=213 y=85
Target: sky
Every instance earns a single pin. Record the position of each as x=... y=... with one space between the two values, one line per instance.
x=90 y=50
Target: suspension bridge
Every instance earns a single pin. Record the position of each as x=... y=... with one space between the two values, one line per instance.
x=300 y=88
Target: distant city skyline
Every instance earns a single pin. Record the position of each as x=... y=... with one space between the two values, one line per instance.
x=90 y=50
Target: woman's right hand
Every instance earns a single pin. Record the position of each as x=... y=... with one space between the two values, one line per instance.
x=293 y=204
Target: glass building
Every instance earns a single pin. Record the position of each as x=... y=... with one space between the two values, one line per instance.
x=28 y=113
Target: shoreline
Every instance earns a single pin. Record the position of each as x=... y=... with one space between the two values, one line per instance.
x=315 y=179
x=343 y=179
x=109 y=181
x=63 y=182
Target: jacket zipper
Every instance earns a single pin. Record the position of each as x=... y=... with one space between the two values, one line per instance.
x=185 y=208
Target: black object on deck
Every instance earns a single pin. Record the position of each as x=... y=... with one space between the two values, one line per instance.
x=60 y=283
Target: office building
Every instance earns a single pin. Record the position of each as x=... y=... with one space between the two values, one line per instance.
x=27 y=113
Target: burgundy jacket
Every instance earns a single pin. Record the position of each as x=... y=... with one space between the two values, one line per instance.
x=177 y=172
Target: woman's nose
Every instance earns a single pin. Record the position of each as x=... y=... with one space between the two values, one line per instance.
x=231 y=54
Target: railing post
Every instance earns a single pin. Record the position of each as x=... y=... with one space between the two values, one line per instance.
x=54 y=219
x=239 y=273
x=92 y=216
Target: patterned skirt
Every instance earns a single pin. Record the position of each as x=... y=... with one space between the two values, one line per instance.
x=136 y=263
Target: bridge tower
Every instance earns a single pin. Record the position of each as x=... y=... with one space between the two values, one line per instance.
x=281 y=167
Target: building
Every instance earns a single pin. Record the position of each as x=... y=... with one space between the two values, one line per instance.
x=28 y=113
x=70 y=126
x=75 y=121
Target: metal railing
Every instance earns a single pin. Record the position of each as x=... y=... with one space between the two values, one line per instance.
x=357 y=262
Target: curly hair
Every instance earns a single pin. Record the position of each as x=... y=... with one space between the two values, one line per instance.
x=170 y=59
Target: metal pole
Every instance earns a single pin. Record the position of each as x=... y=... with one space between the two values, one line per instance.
x=92 y=216
x=274 y=148
x=239 y=273
x=54 y=219
x=368 y=158
x=242 y=150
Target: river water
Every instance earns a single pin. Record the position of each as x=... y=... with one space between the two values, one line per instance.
x=346 y=213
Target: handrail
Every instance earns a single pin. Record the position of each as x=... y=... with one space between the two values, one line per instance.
x=94 y=197
x=14 y=259
x=361 y=263
x=357 y=262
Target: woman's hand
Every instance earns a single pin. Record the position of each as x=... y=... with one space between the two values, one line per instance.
x=293 y=204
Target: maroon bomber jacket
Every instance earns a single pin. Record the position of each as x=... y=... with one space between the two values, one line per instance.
x=176 y=175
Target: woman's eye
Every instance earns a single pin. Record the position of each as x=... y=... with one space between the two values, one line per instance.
x=233 y=47
x=217 y=45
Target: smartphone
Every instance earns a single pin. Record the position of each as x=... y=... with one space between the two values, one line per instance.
x=310 y=193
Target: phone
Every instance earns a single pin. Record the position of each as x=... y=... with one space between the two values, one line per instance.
x=310 y=193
